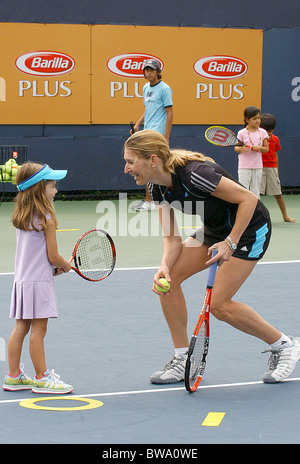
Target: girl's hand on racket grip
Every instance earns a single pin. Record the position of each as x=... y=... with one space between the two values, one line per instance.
x=224 y=253
x=58 y=270
x=67 y=266
x=245 y=148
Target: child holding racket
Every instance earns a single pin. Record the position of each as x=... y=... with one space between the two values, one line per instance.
x=33 y=298
x=250 y=160
x=270 y=182
x=236 y=224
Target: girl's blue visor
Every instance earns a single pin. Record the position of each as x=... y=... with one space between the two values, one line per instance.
x=45 y=173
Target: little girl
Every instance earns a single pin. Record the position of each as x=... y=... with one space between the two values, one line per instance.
x=33 y=298
x=250 y=160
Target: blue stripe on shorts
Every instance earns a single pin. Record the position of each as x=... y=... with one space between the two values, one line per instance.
x=258 y=245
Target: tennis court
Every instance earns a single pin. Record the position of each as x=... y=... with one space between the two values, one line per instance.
x=110 y=337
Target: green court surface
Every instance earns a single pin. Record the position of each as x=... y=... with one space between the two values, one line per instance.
x=137 y=235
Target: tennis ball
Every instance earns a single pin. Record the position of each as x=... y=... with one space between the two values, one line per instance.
x=166 y=285
x=7 y=169
x=6 y=177
x=13 y=175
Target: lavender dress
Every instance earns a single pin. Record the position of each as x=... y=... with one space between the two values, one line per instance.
x=33 y=293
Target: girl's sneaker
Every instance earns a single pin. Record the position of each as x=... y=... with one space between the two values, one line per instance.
x=50 y=383
x=21 y=382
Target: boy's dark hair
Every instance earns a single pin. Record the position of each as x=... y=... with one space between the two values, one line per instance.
x=268 y=122
x=158 y=71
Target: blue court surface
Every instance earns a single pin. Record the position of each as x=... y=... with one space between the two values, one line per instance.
x=111 y=336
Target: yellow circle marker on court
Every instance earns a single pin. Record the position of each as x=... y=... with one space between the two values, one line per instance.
x=91 y=404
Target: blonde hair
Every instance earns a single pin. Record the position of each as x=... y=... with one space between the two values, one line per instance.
x=148 y=142
x=32 y=202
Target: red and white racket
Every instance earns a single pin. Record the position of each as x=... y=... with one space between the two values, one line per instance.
x=94 y=255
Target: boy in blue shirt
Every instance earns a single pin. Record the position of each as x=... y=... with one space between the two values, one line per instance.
x=158 y=114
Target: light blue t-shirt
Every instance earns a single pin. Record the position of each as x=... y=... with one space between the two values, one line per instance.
x=156 y=99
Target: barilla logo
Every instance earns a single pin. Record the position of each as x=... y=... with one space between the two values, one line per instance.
x=130 y=65
x=221 y=67
x=45 y=63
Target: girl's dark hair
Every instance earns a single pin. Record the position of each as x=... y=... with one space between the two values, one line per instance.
x=250 y=112
x=268 y=122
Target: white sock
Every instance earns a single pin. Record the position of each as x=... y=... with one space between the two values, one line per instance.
x=283 y=342
x=181 y=351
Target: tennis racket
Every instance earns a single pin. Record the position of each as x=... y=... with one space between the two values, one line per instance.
x=132 y=127
x=94 y=255
x=223 y=137
x=198 y=349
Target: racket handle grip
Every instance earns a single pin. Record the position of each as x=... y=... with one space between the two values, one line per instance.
x=132 y=127
x=212 y=270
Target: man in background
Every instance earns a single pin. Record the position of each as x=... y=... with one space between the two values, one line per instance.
x=158 y=114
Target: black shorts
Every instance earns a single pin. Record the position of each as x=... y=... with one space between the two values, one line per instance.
x=251 y=246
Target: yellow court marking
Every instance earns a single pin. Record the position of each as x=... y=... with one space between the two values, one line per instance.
x=213 y=419
x=91 y=404
x=66 y=230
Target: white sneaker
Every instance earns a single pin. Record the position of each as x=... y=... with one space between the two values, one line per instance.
x=172 y=372
x=144 y=206
x=21 y=382
x=50 y=383
x=282 y=362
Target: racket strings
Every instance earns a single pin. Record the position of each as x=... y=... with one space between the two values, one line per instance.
x=198 y=358
x=94 y=256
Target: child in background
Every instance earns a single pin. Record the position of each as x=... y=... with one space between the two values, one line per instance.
x=33 y=298
x=250 y=161
x=270 y=182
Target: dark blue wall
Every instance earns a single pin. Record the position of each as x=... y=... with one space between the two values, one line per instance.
x=205 y=13
x=93 y=154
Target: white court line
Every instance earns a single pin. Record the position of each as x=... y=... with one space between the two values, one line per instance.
x=158 y=390
x=156 y=267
